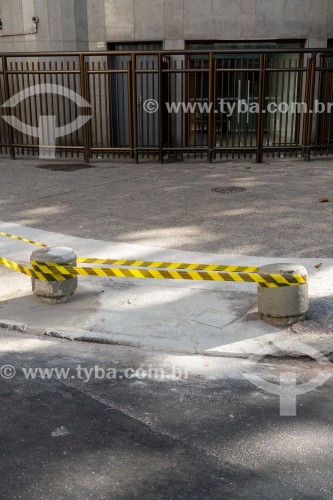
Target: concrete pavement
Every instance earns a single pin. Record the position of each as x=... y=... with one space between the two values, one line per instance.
x=173 y=205
x=170 y=212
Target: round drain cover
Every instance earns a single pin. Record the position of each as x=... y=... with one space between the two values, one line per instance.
x=229 y=189
x=65 y=167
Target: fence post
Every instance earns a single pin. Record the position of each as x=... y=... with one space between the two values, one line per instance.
x=130 y=110
x=160 y=108
x=311 y=95
x=210 y=110
x=261 y=102
x=7 y=96
x=85 y=96
x=134 y=110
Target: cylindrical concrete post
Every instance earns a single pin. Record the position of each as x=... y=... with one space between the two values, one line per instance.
x=54 y=292
x=284 y=305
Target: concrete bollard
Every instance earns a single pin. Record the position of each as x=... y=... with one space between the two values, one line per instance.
x=54 y=292
x=285 y=305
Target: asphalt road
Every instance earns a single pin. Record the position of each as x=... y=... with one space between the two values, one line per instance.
x=173 y=205
x=211 y=435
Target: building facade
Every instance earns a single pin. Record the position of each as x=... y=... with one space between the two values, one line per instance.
x=255 y=52
x=66 y=25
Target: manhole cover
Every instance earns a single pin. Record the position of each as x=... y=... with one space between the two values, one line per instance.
x=65 y=167
x=229 y=189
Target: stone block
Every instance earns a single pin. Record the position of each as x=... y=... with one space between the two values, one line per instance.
x=119 y=20
x=269 y=19
x=96 y=21
x=226 y=20
x=81 y=20
x=54 y=292
x=197 y=20
x=284 y=305
x=173 y=18
x=318 y=18
x=148 y=20
x=68 y=21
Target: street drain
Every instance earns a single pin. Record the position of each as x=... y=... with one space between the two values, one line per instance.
x=65 y=167
x=229 y=189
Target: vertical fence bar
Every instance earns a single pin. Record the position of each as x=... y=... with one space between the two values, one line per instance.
x=322 y=98
x=160 y=108
x=75 y=90
x=84 y=96
x=210 y=109
x=305 y=92
x=134 y=110
x=261 y=101
x=311 y=96
x=15 y=86
x=202 y=115
x=129 y=104
x=294 y=121
x=215 y=113
x=7 y=96
x=328 y=100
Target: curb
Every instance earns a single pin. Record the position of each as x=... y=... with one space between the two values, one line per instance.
x=102 y=338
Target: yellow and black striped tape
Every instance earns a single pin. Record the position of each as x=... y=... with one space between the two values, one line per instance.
x=52 y=272
x=20 y=268
x=22 y=239
x=148 y=264
x=167 y=265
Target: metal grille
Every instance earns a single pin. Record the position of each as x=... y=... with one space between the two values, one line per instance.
x=65 y=167
x=118 y=84
x=229 y=189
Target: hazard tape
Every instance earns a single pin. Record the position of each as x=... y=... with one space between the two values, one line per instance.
x=168 y=265
x=20 y=268
x=54 y=271
x=149 y=264
x=49 y=271
x=22 y=239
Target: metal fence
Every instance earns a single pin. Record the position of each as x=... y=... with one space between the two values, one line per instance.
x=162 y=105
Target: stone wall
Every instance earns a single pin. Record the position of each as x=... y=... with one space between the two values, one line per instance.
x=177 y=21
x=82 y=24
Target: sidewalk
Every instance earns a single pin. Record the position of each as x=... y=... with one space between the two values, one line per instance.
x=211 y=318
x=173 y=205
